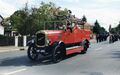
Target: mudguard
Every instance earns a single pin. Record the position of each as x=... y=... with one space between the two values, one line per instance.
x=31 y=42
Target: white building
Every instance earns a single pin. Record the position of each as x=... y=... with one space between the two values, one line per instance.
x=1 y=27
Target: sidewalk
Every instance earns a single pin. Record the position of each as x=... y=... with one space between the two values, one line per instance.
x=11 y=48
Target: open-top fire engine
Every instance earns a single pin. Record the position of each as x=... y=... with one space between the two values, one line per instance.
x=56 y=44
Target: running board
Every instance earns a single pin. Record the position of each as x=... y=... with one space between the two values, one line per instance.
x=74 y=49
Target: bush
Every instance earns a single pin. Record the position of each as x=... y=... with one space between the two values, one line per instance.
x=1 y=36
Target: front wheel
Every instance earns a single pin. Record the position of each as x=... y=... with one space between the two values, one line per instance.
x=32 y=54
x=58 y=54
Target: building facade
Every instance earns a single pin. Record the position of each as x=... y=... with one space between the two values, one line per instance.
x=1 y=27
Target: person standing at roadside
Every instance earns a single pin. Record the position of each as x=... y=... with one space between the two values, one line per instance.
x=97 y=38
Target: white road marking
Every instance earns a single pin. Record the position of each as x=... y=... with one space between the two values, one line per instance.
x=99 y=48
x=13 y=72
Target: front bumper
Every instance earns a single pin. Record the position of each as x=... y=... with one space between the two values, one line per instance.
x=44 y=52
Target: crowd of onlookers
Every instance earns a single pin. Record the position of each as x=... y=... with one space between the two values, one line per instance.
x=114 y=37
x=103 y=37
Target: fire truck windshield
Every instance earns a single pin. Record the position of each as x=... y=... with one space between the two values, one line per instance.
x=54 y=25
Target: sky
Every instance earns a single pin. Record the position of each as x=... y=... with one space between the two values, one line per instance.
x=105 y=11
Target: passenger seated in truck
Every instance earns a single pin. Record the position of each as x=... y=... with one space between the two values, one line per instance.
x=62 y=27
x=69 y=27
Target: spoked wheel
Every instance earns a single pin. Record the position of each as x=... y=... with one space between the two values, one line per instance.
x=32 y=54
x=58 y=54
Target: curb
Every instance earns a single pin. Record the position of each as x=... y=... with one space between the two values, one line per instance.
x=1 y=51
x=11 y=49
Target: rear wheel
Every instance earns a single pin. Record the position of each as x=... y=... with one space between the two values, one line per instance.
x=84 y=50
x=32 y=54
x=85 y=46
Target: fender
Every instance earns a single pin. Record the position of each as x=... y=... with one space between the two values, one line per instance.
x=60 y=43
x=31 y=42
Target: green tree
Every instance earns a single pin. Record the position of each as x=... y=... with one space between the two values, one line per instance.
x=7 y=25
x=102 y=30
x=29 y=21
x=113 y=30
x=50 y=12
x=18 y=21
x=24 y=21
x=118 y=28
x=96 y=28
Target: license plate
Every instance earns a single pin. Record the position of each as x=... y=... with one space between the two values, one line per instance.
x=42 y=50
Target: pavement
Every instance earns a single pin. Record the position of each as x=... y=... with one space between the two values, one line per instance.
x=11 y=48
x=101 y=59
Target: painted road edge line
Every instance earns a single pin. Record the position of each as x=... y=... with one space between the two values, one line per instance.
x=13 y=72
x=99 y=48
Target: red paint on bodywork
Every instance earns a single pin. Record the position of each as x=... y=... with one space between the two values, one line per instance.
x=77 y=35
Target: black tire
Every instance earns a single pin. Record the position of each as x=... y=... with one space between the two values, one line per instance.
x=84 y=50
x=85 y=46
x=32 y=54
x=58 y=53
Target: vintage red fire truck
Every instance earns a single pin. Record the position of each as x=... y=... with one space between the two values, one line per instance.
x=56 y=44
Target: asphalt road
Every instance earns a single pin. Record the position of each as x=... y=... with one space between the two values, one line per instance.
x=101 y=59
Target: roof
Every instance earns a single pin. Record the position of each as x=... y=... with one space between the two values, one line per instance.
x=1 y=19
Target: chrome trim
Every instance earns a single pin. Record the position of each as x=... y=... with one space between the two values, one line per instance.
x=73 y=47
x=43 y=32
